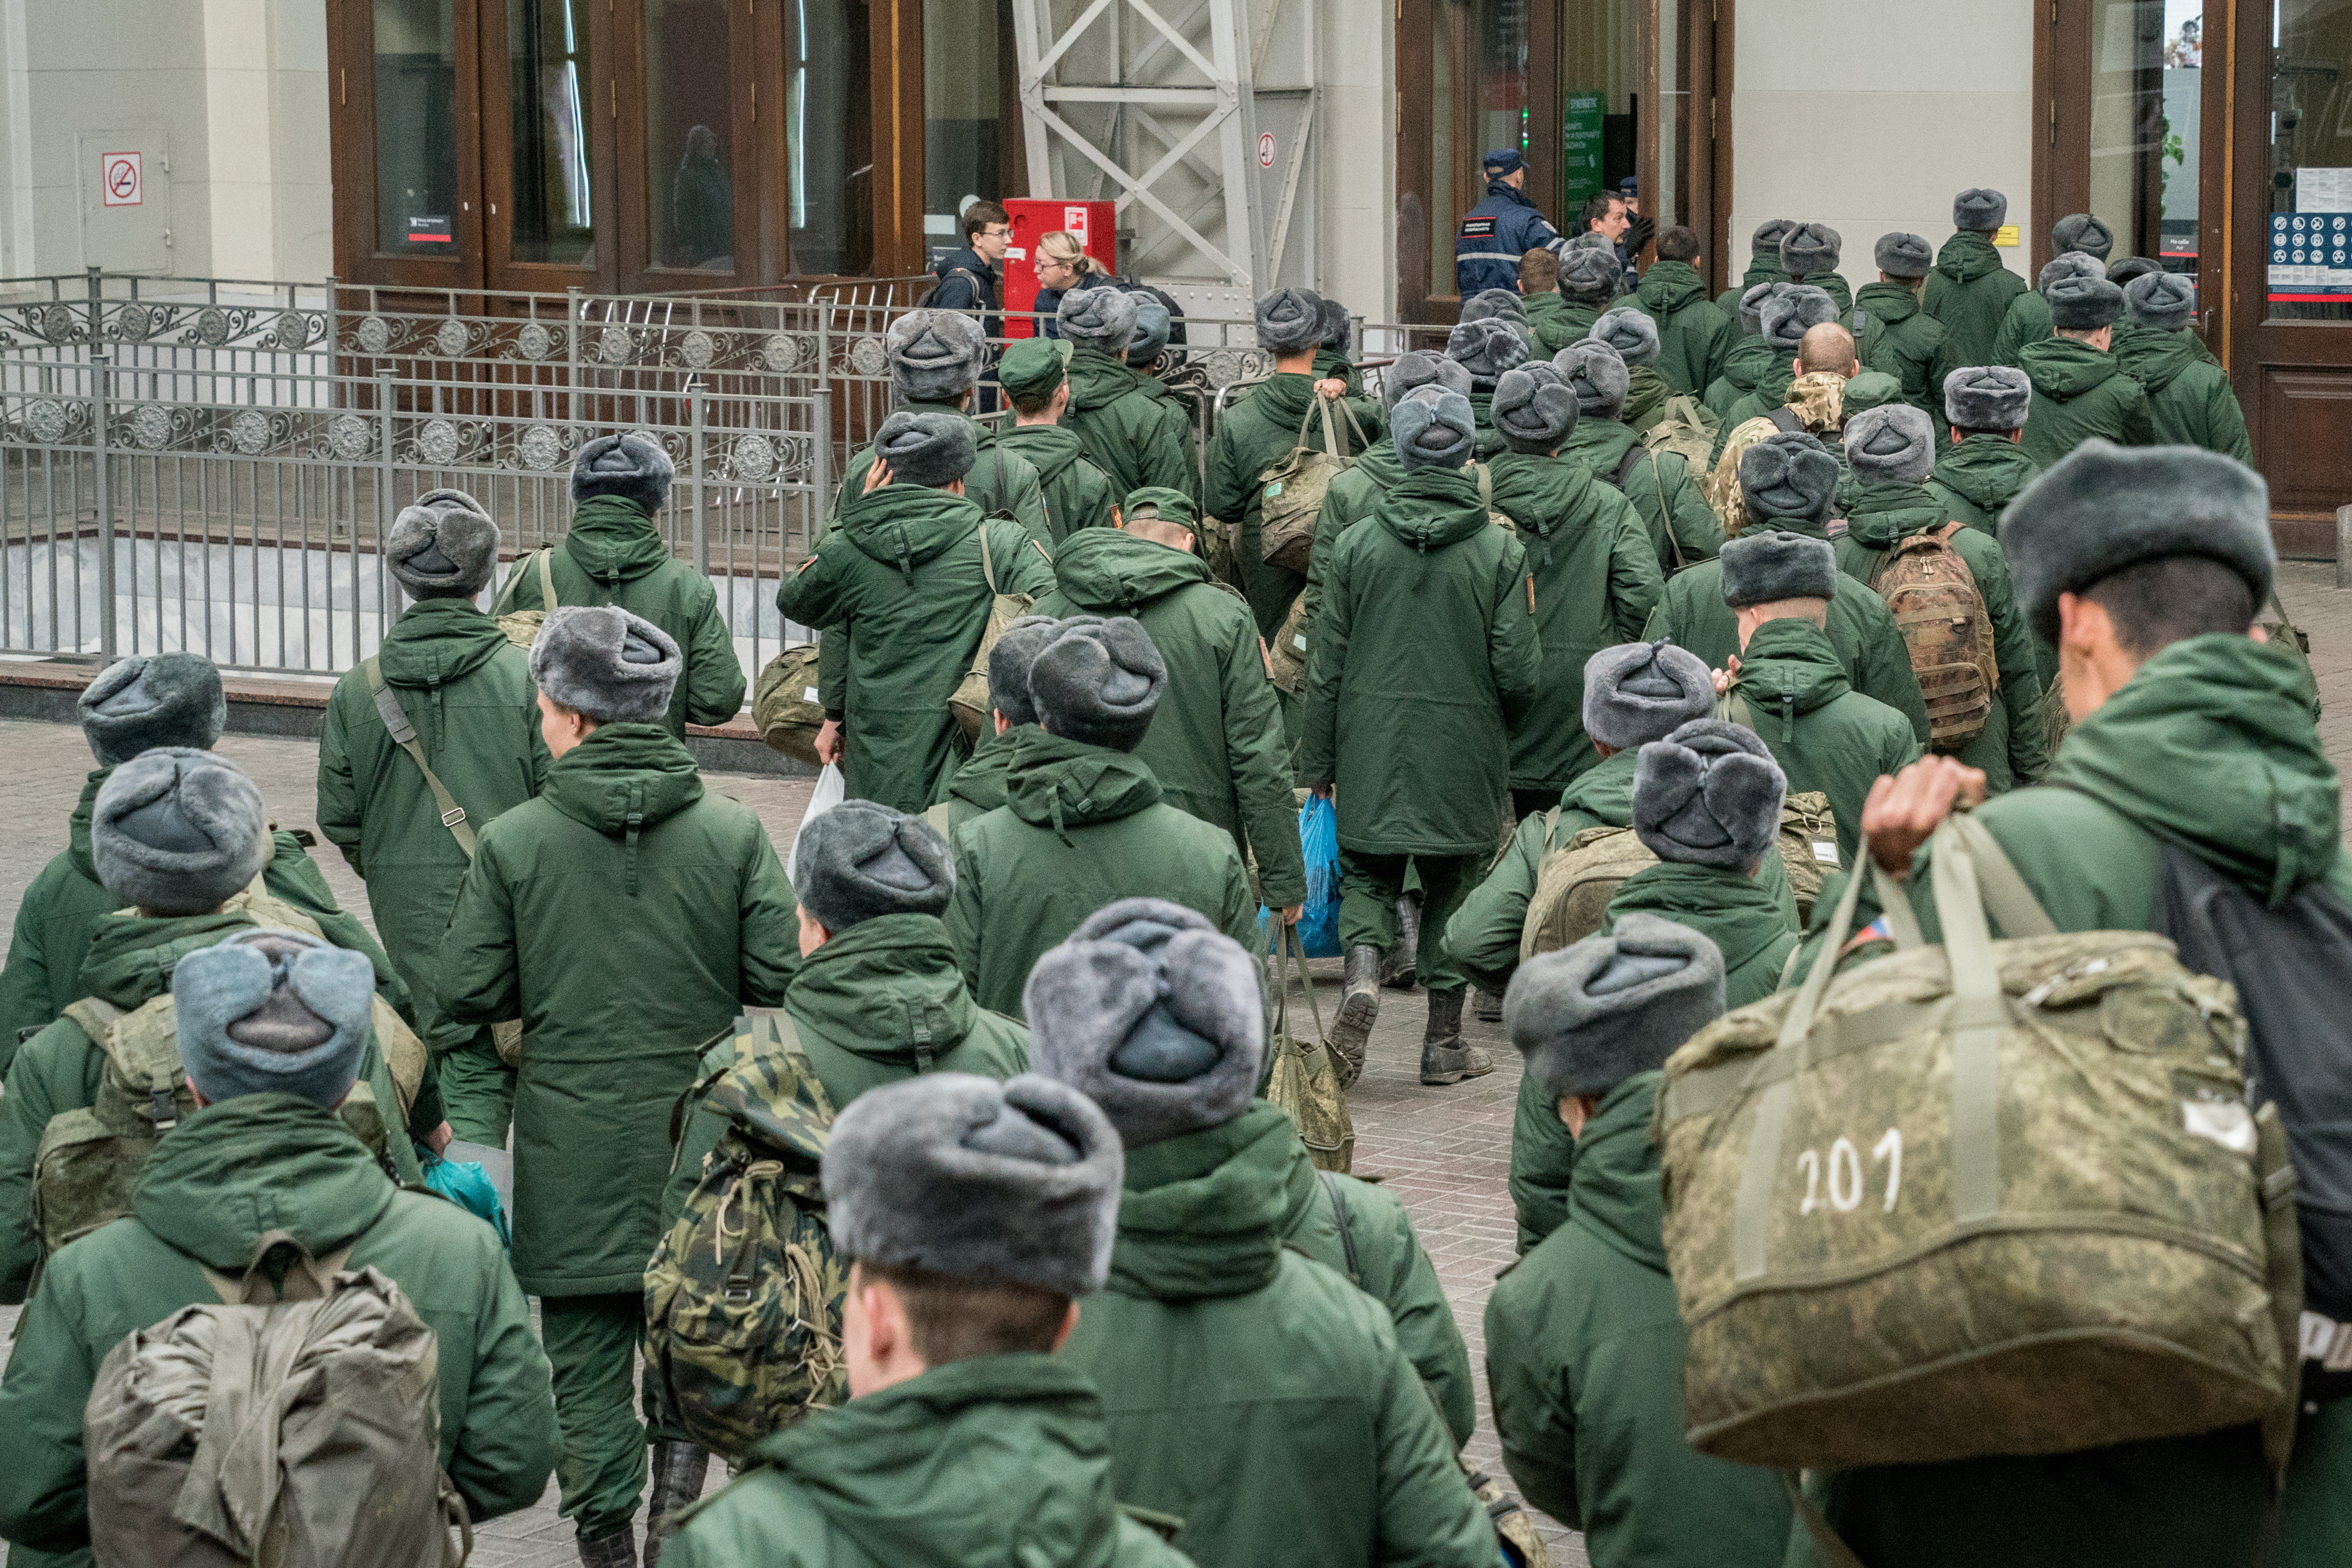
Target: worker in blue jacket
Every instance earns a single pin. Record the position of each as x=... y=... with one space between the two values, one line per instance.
x=1500 y=229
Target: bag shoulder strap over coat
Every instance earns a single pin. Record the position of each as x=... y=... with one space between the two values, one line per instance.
x=403 y=735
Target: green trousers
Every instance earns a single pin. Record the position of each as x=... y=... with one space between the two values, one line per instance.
x=592 y=1347
x=477 y=1090
x=1369 y=886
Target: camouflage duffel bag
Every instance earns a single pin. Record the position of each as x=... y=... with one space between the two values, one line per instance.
x=1979 y=1198
x=743 y=1297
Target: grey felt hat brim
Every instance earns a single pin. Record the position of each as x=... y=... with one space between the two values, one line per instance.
x=1792 y=312
x=1810 y=247
x=1433 y=428
x=1534 y=411
x=1892 y=442
x=1765 y=567
x=1590 y=274
x=1098 y=682
x=1008 y=666
x=1641 y=691
x=1904 y=256
x=1100 y=319
x=940 y=1172
x=935 y=355
x=159 y=700
x=1631 y=332
x=862 y=860
x=2164 y=301
x=2083 y=304
x=1487 y=348
x=215 y=989
x=579 y=661
x=1988 y=397
x=630 y=464
x=2083 y=232
x=2103 y=507
x=1708 y=794
x=449 y=529
x=1494 y=304
x=1418 y=368
x=1981 y=210
x=1789 y=475
x=927 y=449
x=2071 y=264
x=178 y=831
x=1598 y=376
x=1289 y=321
x=1584 y=1028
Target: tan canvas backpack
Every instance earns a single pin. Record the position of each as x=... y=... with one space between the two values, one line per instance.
x=1941 y=613
x=969 y=702
x=1291 y=493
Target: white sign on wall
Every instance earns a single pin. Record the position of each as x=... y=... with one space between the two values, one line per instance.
x=120 y=180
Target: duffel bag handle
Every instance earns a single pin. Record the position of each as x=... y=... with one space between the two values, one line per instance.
x=1797 y=1025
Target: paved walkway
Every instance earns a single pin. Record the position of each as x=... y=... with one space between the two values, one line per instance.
x=1444 y=1151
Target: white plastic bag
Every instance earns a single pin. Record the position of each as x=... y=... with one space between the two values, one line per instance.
x=829 y=793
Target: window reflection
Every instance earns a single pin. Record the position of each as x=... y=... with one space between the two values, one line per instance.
x=547 y=57
x=415 y=127
x=828 y=137
x=690 y=134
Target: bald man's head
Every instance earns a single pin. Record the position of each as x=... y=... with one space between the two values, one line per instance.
x=1827 y=347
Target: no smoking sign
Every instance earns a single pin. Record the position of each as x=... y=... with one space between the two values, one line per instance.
x=120 y=179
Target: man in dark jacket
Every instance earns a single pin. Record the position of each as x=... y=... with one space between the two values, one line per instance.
x=1425 y=660
x=2190 y=397
x=449 y=692
x=1130 y=434
x=1763 y=262
x=977 y=785
x=968 y=279
x=971 y=1214
x=2147 y=570
x=1502 y=228
x=904 y=584
x=1306 y=1435
x=1216 y=744
x=1584 y=1340
x=2079 y=389
x=936 y=358
x=1893 y=334
x=1985 y=465
x=614 y=554
x=1809 y=255
x=2028 y=318
x=1077 y=494
x=1971 y=288
x=1596 y=578
x=627 y=918
x=1661 y=486
x=1694 y=338
x=272 y=1031
x=1083 y=822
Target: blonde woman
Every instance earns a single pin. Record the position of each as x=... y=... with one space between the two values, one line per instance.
x=1063 y=264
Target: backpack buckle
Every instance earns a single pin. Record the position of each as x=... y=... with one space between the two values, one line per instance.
x=453 y=817
x=160 y=1109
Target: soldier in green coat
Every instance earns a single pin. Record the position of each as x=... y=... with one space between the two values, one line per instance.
x=1763 y=262
x=615 y=555
x=1425 y=660
x=2190 y=397
x=1788 y=487
x=1083 y=822
x=1486 y=347
x=972 y=1215
x=903 y=586
x=1216 y=744
x=265 y=1152
x=1809 y=255
x=627 y=918
x=1331 y=363
x=1694 y=338
x=1584 y=1340
x=1970 y=290
x=2078 y=236
x=1670 y=497
x=462 y=692
x=1786 y=684
x=1893 y=334
x=1130 y=434
x=1589 y=277
x=1892 y=451
x=1787 y=317
x=1753 y=359
x=1985 y=465
x=1596 y=578
x=977 y=786
x=2080 y=390
x=1353 y=495
x=1077 y=494
x=1253 y=1393
x=2147 y=570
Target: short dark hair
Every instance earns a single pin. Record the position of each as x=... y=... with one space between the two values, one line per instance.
x=953 y=1318
x=1598 y=207
x=1678 y=244
x=980 y=214
x=1965 y=431
x=1539 y=271
x=1031 y=405
x=2155 y=603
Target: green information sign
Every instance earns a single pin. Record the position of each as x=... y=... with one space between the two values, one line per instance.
x=1579 y=166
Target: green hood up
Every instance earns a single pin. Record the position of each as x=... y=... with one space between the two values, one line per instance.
x=1888 y=303
x=1049 y=448
x=437 y=642
x=907 y=526
x=259 y=1162
x=621 y=779
x=1062 y=784
x=2229 y=714
x=1429 y=508
x=1096 y=380
x=1789 y=669
x=1743 y=916
x=1108 y=572
x=996 y=1462
x=1885 y=511
x=2156 y=359
x=131 y=957
x=1966 y=256
x=614 y=541
x=78 y=825
x=1987 y=470
x=884 y=987
x=2065 y=368
x=1647 y=391
x=1615 y=1194
x=1669 y=286
x=1203 y=1214
x=978 y=781
x=1762 y=267
x=1751 y=360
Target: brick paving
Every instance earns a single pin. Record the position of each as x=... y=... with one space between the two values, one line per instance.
x=1444 y=1151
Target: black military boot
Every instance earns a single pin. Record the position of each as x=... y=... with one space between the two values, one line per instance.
x=1488 y=1008
x=1399 y=972
x=1444 y=1059
x=1359 y=1009
x=679 y=1469
x=618 y=1550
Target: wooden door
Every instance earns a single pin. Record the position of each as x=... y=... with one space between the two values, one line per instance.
x=406 y=132
x=549 y=76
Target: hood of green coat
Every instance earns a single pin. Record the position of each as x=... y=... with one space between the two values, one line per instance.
x=236 y=1171
x=905 y=526
x=1109 y=572
x=1282 y=398
x=1749 y=361
x=436 y=641
x=1605 y=790
x=2066 y=367
x=622 y=769
x=1884 y=510
x=1049 y=448
x=884 y=987
x=131 y=957
x=979 y=781
x=1060 y=783
x=613 y=540
x=1887 y=302
x=1539 y=493
x=1379 y=463
x=996 y=1462
x=1429 y=508
x=1097 y=380
x=1201 y=1214
x=1647 y=391
x=1602 y=443
x=1772 y=383
x=1789 y=664
x=1988 y=469
x=1764 y=268
x=1966 y=256
x=78 y=825
x=1614 y=1193
x=1668 y=286
x=2156 y=359
x=1739 y=914
x=2211 y=746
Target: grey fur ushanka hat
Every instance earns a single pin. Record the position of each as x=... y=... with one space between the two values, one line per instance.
x=1788 y=474
x=1487 y=348
x=1289 y=321
x=630 y=464
x=2083 y=304
x=1641 y=691
x=1988 y=397
x=928 y=449
x=1534 y=411
x=178 y=831
x=1431 y=428
x=1418 y=368
x=1590 y=274
x=1013 y=1183
x=1708 y=794
x=1597 y=374
x=1098 y=681
x=863 y=859
x=2069 y=264
x=1894 y=441
x=1903 y=254
x=1767 y=566
x=1008 y=666
x=935 y=355
x=1495 y=304
x=154 y=700
x=1101 y=318
x=1631 y=332
x=1795 y=310
x=2083 y=232
x=443 y=546
x=2162 y=300
x=273 y=1011
x=1980 y=210
x=1751 y=305
x=606 y=663
x=1597 y=1012
x=1810 y=248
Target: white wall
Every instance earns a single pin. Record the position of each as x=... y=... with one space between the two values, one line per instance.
x=1871 y=115
x=1356 y=171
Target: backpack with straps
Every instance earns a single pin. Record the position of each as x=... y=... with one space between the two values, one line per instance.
x=1290 y=496
x=744 y=1295
x=1624 y=477
x=522 y=627
x=1687 y=427
x=1306 y=1078
x=969 y=704
x=1941 y=613
x=786 y=706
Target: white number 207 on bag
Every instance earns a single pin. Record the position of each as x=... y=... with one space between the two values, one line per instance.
x=1845 y=1175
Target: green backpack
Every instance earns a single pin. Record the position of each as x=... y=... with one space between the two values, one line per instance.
x=744 y=1296
x=1291 y=492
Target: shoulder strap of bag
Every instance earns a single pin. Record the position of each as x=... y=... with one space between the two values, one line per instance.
x=1363 y=442
x=1346 y=1227
x=1787 y=418
x=987 y=566
x=1667 y=514
x=95 y=1016
x=1486 y=486
x=403 y=735
x=252 y=1288
x=1634 y=454
x=2005 y=896
x=547 y=577
x=938 y=817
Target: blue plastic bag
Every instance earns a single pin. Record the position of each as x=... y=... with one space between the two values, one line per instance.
x=469 y=1186
x=1319 y=836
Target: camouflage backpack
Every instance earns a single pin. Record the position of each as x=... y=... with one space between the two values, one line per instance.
x=786 y=706
x=1942 y=617
x=522 y=627
x=743 y=1297
x=968 y=704
x=1291 y=494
